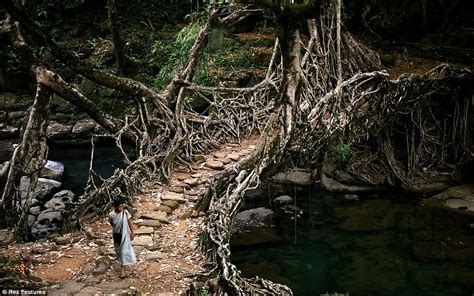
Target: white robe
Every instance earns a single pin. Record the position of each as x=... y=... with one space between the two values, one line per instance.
x=124 y=250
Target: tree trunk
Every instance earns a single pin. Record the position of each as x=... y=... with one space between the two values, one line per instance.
x=118 y=43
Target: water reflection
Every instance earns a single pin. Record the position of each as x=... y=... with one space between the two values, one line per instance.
x=370 y=246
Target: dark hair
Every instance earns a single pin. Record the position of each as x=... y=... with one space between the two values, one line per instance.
x=118 y=201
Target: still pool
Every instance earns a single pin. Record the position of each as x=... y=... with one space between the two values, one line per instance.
x=377 y=245
x=76 y=164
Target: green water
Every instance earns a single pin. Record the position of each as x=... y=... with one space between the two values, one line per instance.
x=374 y=246
x=76 y=164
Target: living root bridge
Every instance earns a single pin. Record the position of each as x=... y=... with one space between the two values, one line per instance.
x=304 y=104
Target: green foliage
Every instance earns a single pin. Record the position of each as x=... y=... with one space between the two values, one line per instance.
x=203 y=291
x=174 y=52
x=341 y=151
x=234 y=55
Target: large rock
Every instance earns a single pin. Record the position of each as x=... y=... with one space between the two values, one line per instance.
x=35 y=210
x=44 y=187
x=66 y=196
x=46 y=223
x=253 y=218
x=48 y=218
x=83 y=128
x=52 y=170
x=333 y=185
x=296 y=176
x=452 y=207
x=58 y=131
x=283 y=200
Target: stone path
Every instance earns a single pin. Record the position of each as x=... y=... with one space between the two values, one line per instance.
x=167 y=239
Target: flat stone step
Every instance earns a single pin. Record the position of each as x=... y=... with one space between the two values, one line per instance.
x=224 y=160
x=155 y=256
x=144 y=230
x=192 y=182
x=215 y=164
x=163 y=208
x=143 y=240
x=150 y=223
x=172 y=204
x=181 y=175
x=173 y=196
x=159 y=216
x=220 y=154
x=233 y=156
x=176 y=189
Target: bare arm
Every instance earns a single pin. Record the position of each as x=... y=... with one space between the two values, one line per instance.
x=130 y=225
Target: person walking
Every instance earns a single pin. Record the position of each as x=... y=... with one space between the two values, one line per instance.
x=123 y=234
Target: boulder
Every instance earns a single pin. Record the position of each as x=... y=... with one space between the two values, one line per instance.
x=83 y=128
x=283 y=200
x=295 y=176
x=35 y=210
x=48 y=218
x=52 y=170
x=331 y=184
x=291 y=210
x=40 y=232
x=58 y=131
x=253 y=218
x=31 y=220
x=55 y=204
x=66 y=196
x=44 y=187
x=62 y=240
x=452 y=207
